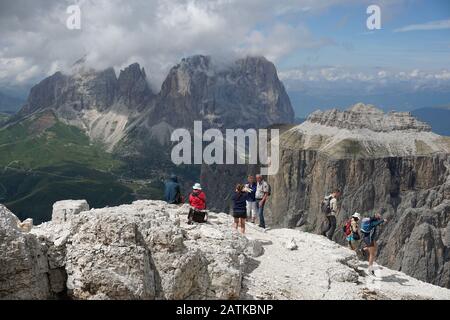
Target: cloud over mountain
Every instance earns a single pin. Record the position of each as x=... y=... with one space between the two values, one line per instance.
x=35 y=42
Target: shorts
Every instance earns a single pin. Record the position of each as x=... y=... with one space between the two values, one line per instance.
x=251 y=209
x=368 y=240
x=242 y=215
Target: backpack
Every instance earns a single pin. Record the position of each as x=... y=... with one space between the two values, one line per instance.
x=325 y=205
x=348 y=228
x=269 y=189
x=366 y=225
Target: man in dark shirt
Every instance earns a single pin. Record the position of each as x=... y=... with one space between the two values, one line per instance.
x=172 y=191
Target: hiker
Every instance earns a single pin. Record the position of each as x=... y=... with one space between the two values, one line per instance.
x=240 y=198
x=251 y=200
x=261 y=195
x=351 y=231
x=197 y=202
x=368 y=231
x=172 y=191
x=330 y=208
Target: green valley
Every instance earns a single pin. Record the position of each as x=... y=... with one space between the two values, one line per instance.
x=43 y=160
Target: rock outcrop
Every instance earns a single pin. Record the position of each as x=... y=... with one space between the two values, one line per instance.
x=382 y=162
x=23 y=262
x=147 y=251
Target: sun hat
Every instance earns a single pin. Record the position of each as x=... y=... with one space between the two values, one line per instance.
x=356 y=215
x=197 y=186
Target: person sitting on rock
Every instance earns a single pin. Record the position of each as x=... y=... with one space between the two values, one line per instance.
x=172 y=191
x=197 y=201
x=240 y=198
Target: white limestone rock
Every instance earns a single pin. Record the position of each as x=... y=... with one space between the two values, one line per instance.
x=23 y=263
x=146 y=250
x=64 y=210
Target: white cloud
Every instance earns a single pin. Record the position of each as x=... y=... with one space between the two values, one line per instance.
x=432 y=25
x=155 y=33
x=369 y=80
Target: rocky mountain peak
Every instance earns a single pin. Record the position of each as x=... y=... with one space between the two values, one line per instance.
x=201 y=88
x=196 y=62
x=362 y=116
x=134 y=90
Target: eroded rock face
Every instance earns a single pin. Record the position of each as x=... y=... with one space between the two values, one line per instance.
x=142 y=251
x=23 y=262
x=404 y=172
x=244 y=94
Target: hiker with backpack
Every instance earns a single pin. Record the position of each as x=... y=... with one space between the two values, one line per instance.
x=351 y=231
x=261 y=195
x=240 y=198
x=251 y=201
x=329 y=207
x=197 y=202
x=172 y=191
x=369 y=232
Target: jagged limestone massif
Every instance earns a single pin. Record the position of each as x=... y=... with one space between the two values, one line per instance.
x=146 y=250
x=241 y=94
x=389 y=162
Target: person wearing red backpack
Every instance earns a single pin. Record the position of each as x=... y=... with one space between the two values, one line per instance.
x=197 y=201
x=351 y=231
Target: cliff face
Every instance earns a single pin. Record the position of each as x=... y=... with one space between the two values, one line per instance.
x=245 y=94
x=147 y=251
x=388 y=162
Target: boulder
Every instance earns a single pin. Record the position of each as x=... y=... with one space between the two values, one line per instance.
x=64 y=210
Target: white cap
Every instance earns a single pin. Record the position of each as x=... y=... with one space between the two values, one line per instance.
x=356 y=215
x=197 y=186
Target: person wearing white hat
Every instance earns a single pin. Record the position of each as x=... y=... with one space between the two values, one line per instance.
x=351 y=230
x=197 y=201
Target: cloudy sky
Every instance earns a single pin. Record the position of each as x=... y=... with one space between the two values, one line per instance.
x=315 y=44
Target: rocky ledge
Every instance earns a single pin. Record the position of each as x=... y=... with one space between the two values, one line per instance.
x=145 y=250
x=369 y=117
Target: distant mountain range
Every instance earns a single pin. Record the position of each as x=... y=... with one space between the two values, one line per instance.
x=10 y=104
x=305 y=102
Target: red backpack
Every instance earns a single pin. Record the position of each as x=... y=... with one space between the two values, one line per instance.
x=348 y=228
